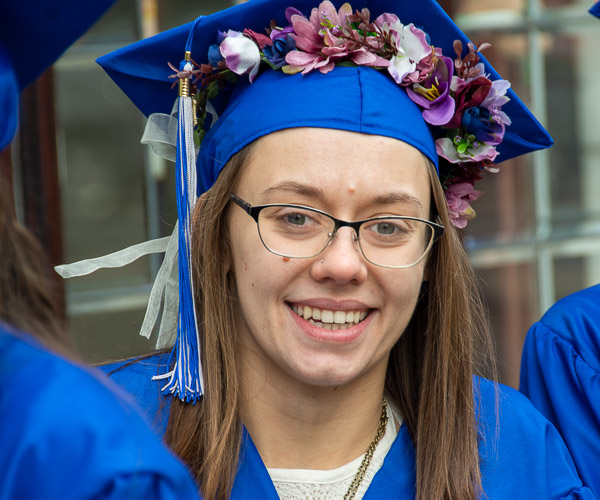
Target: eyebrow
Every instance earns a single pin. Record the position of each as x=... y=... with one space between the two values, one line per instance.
x=315 y=192
x=397 y=197
x=296 y=188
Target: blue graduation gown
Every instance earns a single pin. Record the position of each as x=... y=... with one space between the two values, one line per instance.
x=523 y=457
x=68 y=433
x=560 y=374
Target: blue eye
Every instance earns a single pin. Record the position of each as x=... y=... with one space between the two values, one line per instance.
x=297 y=219
x=386 y=228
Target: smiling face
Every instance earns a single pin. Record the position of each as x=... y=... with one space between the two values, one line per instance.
x=326 y=320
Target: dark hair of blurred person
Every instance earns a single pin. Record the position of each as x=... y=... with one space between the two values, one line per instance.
x=26 y=299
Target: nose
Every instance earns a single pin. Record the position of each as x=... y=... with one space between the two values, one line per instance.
x=342 y=261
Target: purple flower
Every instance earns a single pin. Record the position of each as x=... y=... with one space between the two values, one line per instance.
x=458 y=198
x=241 y=54
x=276 y=53
x=495 y=99
x=479 y=122
x=292 y=11
x=433 y=94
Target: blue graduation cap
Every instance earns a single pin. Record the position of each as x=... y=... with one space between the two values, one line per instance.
x=401 y=69
x=32 y=37
x=595 y=10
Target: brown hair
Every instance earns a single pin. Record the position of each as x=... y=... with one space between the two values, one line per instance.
x=429 y=374
x=25 y=293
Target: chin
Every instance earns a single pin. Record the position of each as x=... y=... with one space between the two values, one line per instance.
x=325 y=373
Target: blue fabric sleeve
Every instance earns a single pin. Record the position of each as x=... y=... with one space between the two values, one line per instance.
x=135 y=377
x=523 y=455
x=566 y=390
x=69 y=433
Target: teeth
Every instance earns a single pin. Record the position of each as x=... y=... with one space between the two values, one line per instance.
x=307 y=312
x=327 y=316
x=331 y=320
x=339 y=317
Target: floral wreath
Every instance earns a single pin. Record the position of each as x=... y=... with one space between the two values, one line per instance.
x=456 y=96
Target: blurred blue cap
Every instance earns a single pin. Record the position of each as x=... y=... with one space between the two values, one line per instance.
x=141 y=71
x=595 y=10
x=33 y=35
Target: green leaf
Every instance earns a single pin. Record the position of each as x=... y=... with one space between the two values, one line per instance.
x=231 y=77
x=212 y=90
x=264 y=59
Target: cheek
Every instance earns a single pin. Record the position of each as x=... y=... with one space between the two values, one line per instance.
x=404 y=292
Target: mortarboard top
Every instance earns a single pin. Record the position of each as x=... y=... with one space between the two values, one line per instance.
x=141 y=70
x=595 y=10
x=32 y=36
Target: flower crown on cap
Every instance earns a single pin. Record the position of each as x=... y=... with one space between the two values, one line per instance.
x=458 y=100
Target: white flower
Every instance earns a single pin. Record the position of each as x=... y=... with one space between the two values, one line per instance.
x=242 y=55
x=446 y=149
x=412 y=47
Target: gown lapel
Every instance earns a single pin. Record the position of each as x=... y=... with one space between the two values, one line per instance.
x=252 y=481
x=395 y=479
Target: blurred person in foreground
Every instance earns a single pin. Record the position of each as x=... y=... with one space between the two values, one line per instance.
x=560 y=372
x=67 y=433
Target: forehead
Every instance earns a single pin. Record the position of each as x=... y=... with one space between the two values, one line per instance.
x=326 y=165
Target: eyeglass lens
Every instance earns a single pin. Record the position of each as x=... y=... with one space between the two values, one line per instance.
x=302 y=233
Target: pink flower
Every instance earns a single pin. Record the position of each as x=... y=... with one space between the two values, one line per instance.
x=458 y=198
x=476 y=153
x=242 y=55
x=316 y=39
x=327 y=38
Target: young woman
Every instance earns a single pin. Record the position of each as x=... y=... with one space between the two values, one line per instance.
x=331 y=304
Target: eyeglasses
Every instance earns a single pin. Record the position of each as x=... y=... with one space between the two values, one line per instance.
x=299 y=232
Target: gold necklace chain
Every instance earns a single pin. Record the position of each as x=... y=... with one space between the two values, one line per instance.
x=360 y=474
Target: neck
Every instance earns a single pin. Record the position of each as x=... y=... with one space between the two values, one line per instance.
x=295 y=425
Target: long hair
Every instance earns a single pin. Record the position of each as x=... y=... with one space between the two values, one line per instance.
x=26 y=299
x=429 y=373
x=207 y=435
x=431 y=367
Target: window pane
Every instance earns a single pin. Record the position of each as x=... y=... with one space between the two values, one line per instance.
x=107 y=337
x=572 y=112
x=475 y=6
x=511 y=293
x=118 y=25
x=102 y=171
x=173 y=14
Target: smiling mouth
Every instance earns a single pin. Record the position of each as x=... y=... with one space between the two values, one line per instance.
x=330 y=320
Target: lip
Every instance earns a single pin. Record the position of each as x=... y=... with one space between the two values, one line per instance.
x=345 y=336
x=332 y=305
